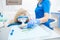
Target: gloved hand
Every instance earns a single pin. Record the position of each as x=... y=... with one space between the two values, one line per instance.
x=31 y=23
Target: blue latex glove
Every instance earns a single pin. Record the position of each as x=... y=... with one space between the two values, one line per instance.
x=31 y=23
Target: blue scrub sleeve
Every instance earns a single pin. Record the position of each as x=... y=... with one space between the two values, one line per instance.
x=46 y=6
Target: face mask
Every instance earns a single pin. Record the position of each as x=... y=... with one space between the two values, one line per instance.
x=22 y=18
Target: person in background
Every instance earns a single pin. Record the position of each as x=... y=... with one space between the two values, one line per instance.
x=41 y=12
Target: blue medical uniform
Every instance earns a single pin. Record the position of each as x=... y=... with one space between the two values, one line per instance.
x=43 y=7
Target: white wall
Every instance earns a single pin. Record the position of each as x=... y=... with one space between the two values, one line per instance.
x=27 y=4
x=9 y=10
x=0 y=5
x=55 y=5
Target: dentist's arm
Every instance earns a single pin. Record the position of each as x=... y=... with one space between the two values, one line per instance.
x=31 y=23
x=45 y=18
x=46 y=7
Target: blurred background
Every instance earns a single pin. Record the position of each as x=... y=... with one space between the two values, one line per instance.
x=8 y=9
x=30 y=5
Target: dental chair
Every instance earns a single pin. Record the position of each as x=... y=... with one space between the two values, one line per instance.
x=47 y=24
x=51 y=23
x=38 y=33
